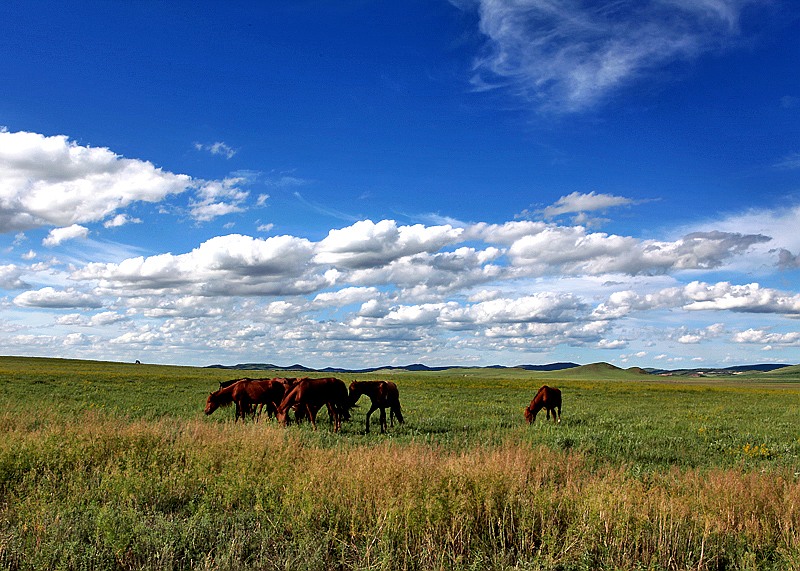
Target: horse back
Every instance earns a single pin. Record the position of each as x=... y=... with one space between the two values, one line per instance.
x=549 y=397
x=389 y=392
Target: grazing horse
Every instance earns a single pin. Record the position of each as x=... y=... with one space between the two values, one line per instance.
x=245 y=393
x=309 y=395
x=548 y=398
x=383 y=395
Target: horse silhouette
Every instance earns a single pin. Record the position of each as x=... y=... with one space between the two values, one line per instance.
x=382 y=395
x=548 y=398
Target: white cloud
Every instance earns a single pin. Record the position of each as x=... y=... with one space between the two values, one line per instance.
x=367 y=244
x=580 y=202
x=780 y=224
x=345 y=296
x=748 y=298
x=121 y=220
x=60 y=235
x=762 y=337
x=51 y=298
x=11 y=277
x=219 y=148
x=218 y=198
x=380 y=290
x=52 y=181
x=700 y=335
x=567 y=56
x=571 y=250
x=225 y=265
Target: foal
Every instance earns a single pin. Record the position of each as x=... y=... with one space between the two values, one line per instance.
x=383 y=395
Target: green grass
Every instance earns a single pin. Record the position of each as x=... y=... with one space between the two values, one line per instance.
x=114 y=466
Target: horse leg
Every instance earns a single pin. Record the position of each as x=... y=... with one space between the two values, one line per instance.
x=311 y=416
x=559 y=414
x=372 y=409
x=383 y=420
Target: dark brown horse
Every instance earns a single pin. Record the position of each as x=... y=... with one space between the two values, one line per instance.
x=309 y=395
x=548 y=398
x=246 y=394
x=383 y=395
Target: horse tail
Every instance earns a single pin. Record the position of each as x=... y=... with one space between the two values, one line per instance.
x=397 y=412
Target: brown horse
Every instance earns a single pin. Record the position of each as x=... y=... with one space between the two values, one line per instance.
x=309 y=395
x=548 y=398
x=246 y=394
x=383 y=395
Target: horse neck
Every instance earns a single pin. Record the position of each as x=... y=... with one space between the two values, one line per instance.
x=224 y=395
x=288 y=399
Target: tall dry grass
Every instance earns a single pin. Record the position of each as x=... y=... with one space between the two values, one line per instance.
x=111 y=493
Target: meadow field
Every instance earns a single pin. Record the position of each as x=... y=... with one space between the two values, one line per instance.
x=114 y=466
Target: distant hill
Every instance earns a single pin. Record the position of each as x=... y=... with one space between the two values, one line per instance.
x=593 y=369
x=415 y=367
x=757 y=368
x=788 y=370
x=637 y=370
x=565 y=368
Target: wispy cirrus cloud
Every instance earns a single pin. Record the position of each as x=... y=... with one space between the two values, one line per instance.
x=581 y=202
x=789 y=162
x=219 y=148
x=569 y=55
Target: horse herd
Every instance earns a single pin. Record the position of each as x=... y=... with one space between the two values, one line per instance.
x=305 y=397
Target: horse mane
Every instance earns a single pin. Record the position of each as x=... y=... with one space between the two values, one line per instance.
x=223 y=397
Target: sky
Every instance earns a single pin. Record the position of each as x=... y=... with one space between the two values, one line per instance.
x=357 y=183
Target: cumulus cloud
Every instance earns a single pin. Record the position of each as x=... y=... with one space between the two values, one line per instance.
x=702 y=296
x=225 y=265
x=748 y=298
x=218 y=198
x=567 y=56
x=699 y=335
x=345 y=296
x=60 y=235
x=383 y=287
x=11 y=277
x=52 y=181
x=367 y=244
x=571 y=250
x=52 y=298
x=763 y=337
x=121 y=220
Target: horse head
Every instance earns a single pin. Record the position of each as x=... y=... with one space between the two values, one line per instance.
x=211 y=404
x=529 y=416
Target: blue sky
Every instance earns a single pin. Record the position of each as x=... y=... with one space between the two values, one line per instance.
x=358 y=183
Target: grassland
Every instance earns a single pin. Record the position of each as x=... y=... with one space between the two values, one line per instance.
x=114 y=466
